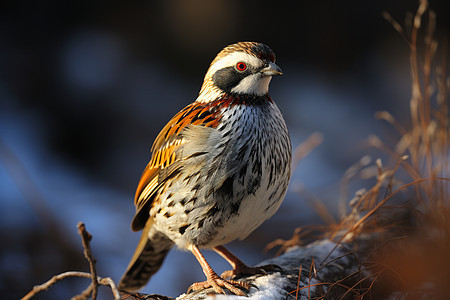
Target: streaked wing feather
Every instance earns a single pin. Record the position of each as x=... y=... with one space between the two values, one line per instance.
x=166 y=156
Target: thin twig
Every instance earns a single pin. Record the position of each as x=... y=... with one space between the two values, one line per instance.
x=112 y=284
x=45 y=286
x=298 y=281
x=86 y=238
x=84 y=294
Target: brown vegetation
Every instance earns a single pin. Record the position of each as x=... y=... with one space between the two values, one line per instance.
x=400 y=228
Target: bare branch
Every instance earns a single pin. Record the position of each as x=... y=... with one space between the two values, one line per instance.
x=112 y=285
x=86 y=238
x=45 y=286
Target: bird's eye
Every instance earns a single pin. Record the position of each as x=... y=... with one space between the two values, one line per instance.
x=241 y=66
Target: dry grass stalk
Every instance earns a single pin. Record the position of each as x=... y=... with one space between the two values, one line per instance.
x=312 y=142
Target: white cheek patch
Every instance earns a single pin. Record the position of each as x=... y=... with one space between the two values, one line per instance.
x=232 y=59
x=255 y=84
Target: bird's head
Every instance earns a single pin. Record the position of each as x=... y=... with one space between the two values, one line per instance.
x=244 y=68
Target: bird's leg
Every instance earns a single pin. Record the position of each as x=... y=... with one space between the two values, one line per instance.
x=239 y=268
x=213 y=280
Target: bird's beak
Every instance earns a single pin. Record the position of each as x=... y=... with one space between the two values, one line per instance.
x=271 y=70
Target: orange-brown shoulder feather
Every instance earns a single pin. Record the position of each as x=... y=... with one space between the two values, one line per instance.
x=165 y=154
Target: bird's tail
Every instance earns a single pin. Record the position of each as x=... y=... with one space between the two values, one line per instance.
x=147 y=259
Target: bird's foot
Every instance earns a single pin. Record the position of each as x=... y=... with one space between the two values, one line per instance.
x=218 y=283
x=243 y=269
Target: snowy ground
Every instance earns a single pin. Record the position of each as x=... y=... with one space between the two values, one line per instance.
x=278 y=285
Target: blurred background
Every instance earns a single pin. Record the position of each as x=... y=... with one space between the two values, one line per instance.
x=86 y=86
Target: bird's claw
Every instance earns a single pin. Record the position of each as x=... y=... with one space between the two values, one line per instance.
x=218 y=283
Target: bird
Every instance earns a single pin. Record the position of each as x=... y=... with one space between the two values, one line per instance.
x=218 y=169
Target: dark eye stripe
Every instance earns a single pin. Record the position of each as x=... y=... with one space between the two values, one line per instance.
x=227 y=78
